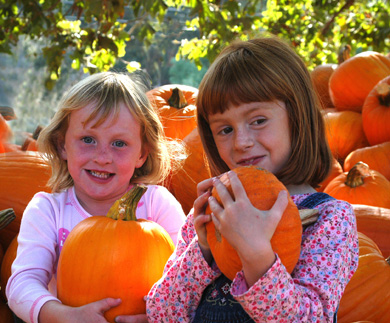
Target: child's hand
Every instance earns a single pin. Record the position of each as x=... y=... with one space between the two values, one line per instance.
x=248 y=229
x=54 y=312
x=200 y=218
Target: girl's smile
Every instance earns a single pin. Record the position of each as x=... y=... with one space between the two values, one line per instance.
x=102 y=159
x=255 y=133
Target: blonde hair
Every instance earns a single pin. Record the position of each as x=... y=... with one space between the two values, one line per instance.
x=106 y=91
x=260 y=70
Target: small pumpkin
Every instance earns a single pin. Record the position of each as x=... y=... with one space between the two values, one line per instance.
x=361 y=185
x=262 y=188
x=183 y=183
x=377 y=157
x=113 y=256
x=376 y=113
x=367 y=295
x=175 y=104
x=353 y=79
x=374 y=222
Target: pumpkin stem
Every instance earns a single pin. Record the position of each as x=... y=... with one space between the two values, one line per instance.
x=357 y=174
x=177 y=99
x=6 y=217
x=344 y=54
x=388 y=260
x=124 y=208
x=383 y=91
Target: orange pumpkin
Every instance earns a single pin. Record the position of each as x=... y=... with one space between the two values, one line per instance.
x=374 y=222
x=320 y=76
x=22 y=174
x=377 y=157
x=8 y=259
x=361 y=185
x=367 y=295
x=176 y=106
x=262 y=188
x=335 y=171
x=376 y=113
x=183 y=183
x=353 y=79
x=113 y=256
x=344 y=132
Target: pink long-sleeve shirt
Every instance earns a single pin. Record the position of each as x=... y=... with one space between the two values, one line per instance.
x=328 y=259
x=46 y=223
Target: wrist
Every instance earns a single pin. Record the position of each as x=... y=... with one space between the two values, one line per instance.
x=206 y=252
x=255 y=267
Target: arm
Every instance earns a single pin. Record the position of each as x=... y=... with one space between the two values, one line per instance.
x=28 y=287
x=329 y=257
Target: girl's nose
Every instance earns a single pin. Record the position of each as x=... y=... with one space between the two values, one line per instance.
x=243 y=139
x=103 y=155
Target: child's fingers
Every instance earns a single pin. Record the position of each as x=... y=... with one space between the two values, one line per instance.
x=200 y=203
x=237 y=187
x=204 y=186
x=279 y=206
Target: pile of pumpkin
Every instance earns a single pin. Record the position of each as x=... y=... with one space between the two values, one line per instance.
x=355 y=97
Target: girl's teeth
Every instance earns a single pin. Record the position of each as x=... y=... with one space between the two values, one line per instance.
x=100 y=175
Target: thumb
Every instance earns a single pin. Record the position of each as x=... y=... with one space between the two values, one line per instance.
x=279 y=206
x=105 y=304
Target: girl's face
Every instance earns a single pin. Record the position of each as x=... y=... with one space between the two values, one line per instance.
x=255 y=133
x=102 y=160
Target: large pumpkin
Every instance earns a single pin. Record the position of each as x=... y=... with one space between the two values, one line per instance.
x=113 y=256
x=377 y=157
x=367 y=295
x=183 y=183
x=376 y=113
x=22 y=174
x=353 y=79
x=262 y=188
x=361 y=185
x=344 y=132
x=175 y=104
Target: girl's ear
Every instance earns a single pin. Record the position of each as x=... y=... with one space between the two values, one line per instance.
x=142 y=157
x=61 y=149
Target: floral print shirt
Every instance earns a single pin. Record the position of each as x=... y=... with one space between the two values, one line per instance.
x=311 y=293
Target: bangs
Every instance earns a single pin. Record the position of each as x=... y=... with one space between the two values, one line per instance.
x=237 y=78
x=106 y=98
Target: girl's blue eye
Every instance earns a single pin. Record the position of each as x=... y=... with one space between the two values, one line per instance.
x=87 y=140
x=119 y=144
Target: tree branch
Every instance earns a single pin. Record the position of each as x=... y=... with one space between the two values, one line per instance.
x=348 y=4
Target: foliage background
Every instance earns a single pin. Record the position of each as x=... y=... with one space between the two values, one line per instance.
x=48 y=45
